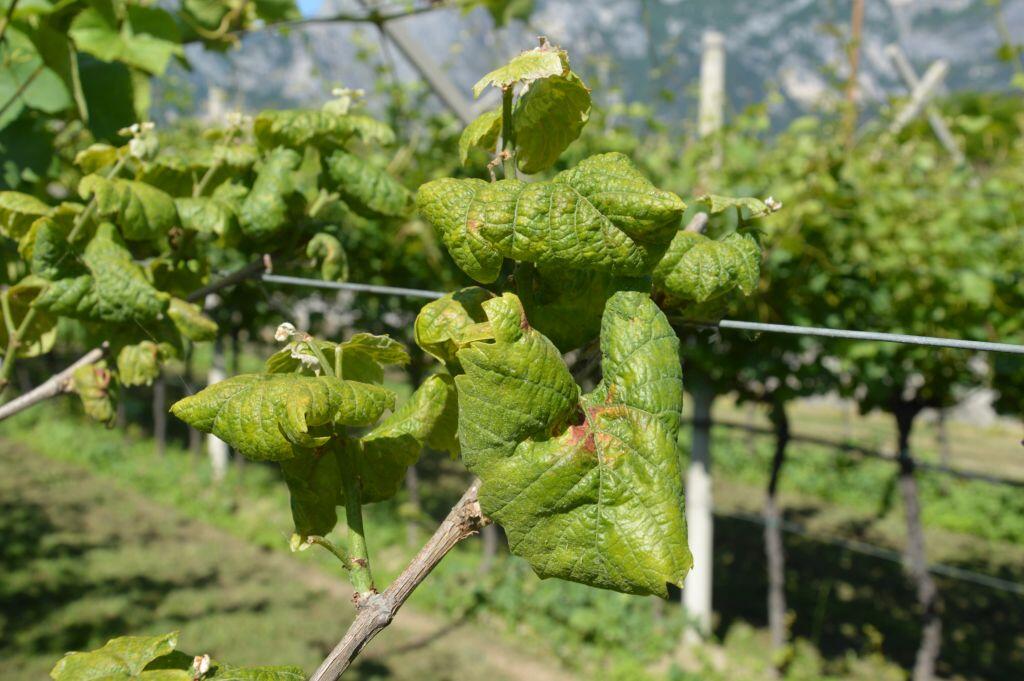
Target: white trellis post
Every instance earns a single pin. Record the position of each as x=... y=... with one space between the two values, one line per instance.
x=216 y=448
x=699 y=504
x=939 y=127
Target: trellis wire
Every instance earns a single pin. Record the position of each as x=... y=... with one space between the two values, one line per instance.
x=906 y=339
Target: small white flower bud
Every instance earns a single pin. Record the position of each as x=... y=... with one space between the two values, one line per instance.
x=284 y=332
x=773 y=204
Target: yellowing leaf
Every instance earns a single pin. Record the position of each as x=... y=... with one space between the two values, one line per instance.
x=698 y=269
x=38 y=338
x=587 y=487
x=297 y=128
x=268 y=417
x=548 y=117
x=139 y=364
x=92 y=382
x=525 y=68
x=446 y=325
x=332 y=256
x=603 y=214
x=482 y=133
x=17 y=213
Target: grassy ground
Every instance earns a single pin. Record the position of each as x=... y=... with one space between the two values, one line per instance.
x=853 y=614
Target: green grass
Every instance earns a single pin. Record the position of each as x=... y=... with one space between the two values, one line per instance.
x=851 y=613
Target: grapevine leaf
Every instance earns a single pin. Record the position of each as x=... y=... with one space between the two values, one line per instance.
x=368 y=190
x=267 y=417
x=96 y=157
x=115 y=290
x=51 y=255
x=26 y=80
x=567 y=305
x=147 y=39
x=314 y=483
x=206 y=215
x=264 y=211
x=525 y=68
x=446 y=325
x=602 y=214
x=92 y=382
x=755 y=208
x=39 y=337
x=273 y=673
x=548 y=117
x=698 y=269
x=139 y=364
x=190 y=321
x=587 y=487
x=298 y=128
x=362 y=357
x=394 y=445
x=121 y=658
x=17 y=213
x=141 y=211
x=332 y=256
x=482 y=133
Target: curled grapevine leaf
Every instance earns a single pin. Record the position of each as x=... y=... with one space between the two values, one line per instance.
x=47 y=248
x=17 y=213
x=602 y=214
x=40 y=335
x=139 y=364
x=395 y=444
x=142 y=212
x=482 y=133
x=362 y=357
x=154 y=658
x=190 y=321
x=206 y=215
x=96 y=157
x=756 y=208
x=297 y=128
x=567 y=305
x=114 y=290
x=314 y=485
x=93 y=384
x=268 y=417
x=264 y=212
x=526 y=67
x=697 y=269
x=446 y=325
x=368 y=190
x=548 y=117
x=333 y=259
x=587 y=487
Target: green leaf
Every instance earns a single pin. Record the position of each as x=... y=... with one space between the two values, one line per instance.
x=587 y=487
x=120 y=658
x=314 y=483
x=602 y=214
x=368 y=190
x=114 y=290
x=146 y=39
x=139 y=364
x=548 y=118
x=482 y=133
x=698 y=269
x=267 y=417
x=265 y=211
x=567 y=305
x=206 y=215
x=276 y=673
x=92 y=382
x=17 y=213
x=525 y=68
x=46 y=247
x=333 y=259
x=324 y=129
x=755 y=208
x=276 y=11
x=362 y=357
x=394 y=445
x=96 y=157
x=41 y=334
x=191 y=322
x=26 y=80
x=142 y=212
x=448 y=324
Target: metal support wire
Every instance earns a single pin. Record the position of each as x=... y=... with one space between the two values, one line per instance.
x=724 y=324
x=950 y=571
